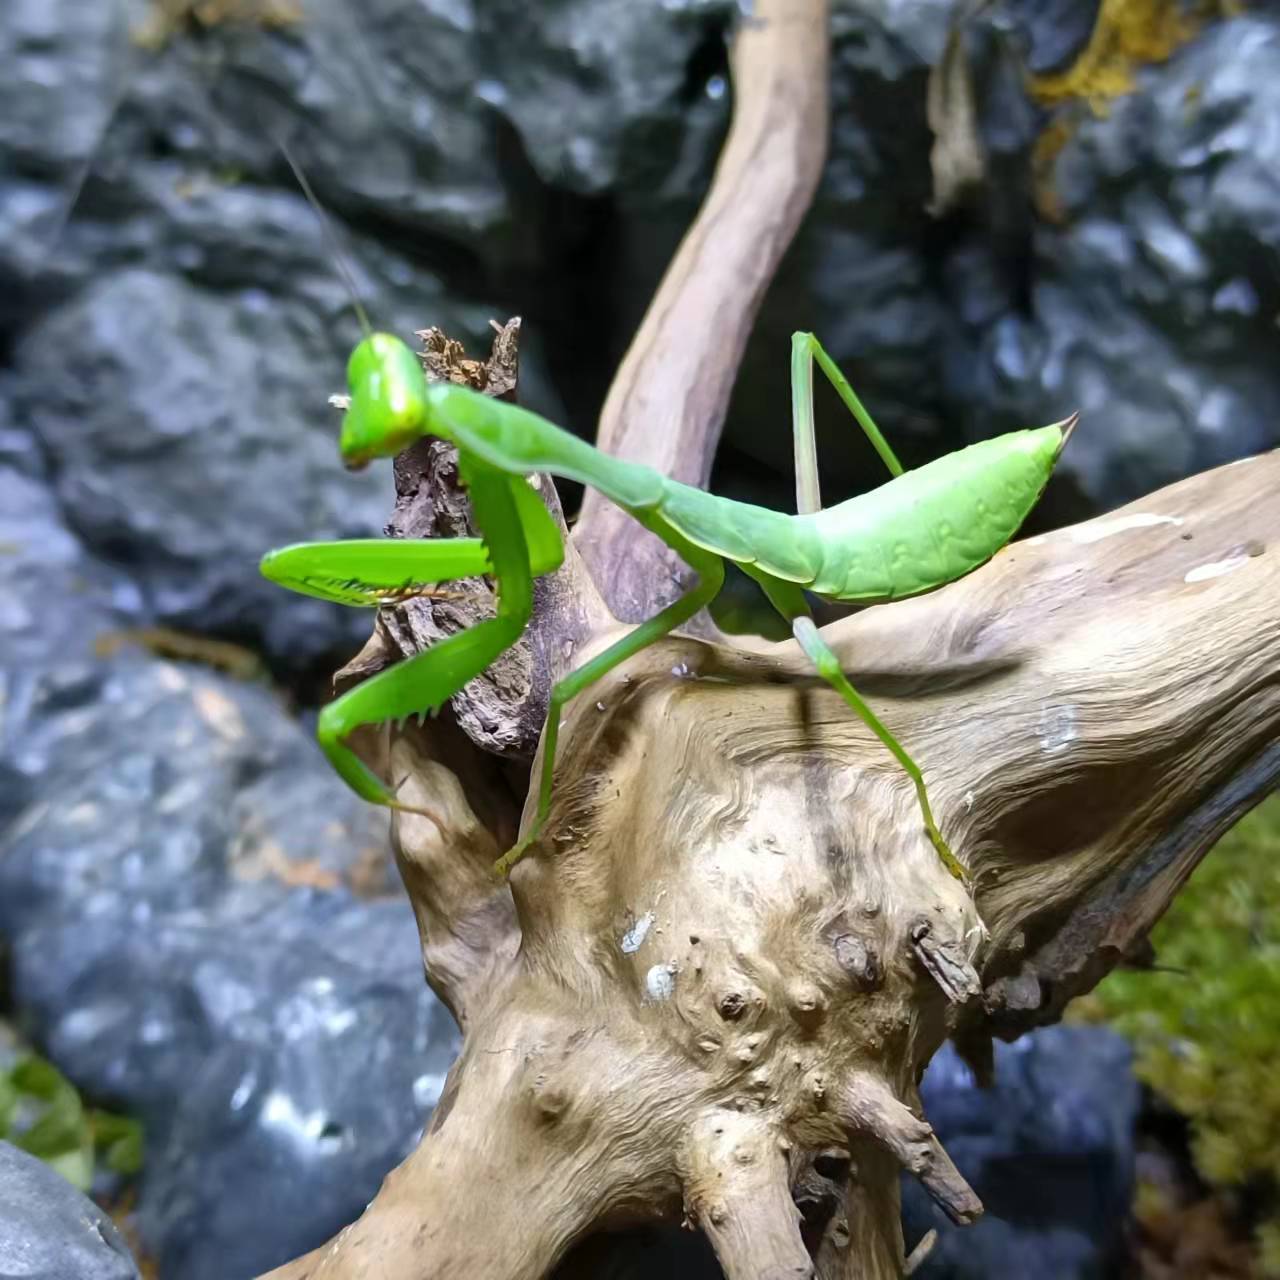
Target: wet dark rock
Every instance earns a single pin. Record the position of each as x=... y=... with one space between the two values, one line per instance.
x=54 y=599
x=598 y=89
x=53 y=594
x=1149 y=308
x=177 y=896
x=1053 y=32
x=861 y=273
x=371 y=98
x=1050 y=1151
x=1152 y=304
x=187 y=435
x=179 y=328
x=51 y=1231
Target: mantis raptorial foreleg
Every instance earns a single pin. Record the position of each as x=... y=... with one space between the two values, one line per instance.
x=805 y=349
x=710 y=570
x=375 y=571
x=424 y=682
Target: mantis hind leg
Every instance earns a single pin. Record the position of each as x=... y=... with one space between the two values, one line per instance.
x=710 y=569
x=789 y=601
x=828 y=665
x=805 y=349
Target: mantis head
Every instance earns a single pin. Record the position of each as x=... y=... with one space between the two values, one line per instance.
x=388 y=409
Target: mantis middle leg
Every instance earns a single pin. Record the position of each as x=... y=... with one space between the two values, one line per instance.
x=789 y=600
x=805 y=349
x=710 y=570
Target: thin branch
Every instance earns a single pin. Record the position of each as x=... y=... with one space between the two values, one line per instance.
x=667 y=403
x=737 y=1189
x=920 y=1254
x=871 y=1109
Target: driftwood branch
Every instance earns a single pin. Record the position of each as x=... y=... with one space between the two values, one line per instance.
x=724 y=920
x=708 y=993
x=667 y=403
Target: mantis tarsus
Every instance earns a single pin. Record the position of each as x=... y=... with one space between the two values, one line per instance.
x=920 y=530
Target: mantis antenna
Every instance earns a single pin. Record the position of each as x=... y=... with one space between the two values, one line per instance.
x=119 y=38
x=331 y=240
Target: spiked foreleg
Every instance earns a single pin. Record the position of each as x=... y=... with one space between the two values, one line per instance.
x=423 y=683
x=374 y=571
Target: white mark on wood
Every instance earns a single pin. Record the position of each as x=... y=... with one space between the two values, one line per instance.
x=680 y=670
x=1106 y=528
x=1057 y=729
x=969 y=799
x=1202 y=572
x=660 y=981
x=599 y=706
x=634 y=937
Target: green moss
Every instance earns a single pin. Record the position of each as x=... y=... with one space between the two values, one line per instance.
x=167 y=18
x=41 y=1112
x=1208 y=1038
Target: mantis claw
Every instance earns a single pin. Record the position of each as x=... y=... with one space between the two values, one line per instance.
x=502 y=868
x=949 y=859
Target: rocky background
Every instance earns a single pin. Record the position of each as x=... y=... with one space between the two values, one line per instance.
x=201 y=927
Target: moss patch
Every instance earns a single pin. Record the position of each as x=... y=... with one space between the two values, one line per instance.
x=1207 y=1036
x=169 y=17
x=1127 y=35
x=41 y=1113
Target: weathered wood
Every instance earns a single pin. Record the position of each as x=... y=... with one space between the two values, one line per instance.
x=1092 y=709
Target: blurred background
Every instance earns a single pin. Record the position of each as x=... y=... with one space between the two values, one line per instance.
x=199 y=927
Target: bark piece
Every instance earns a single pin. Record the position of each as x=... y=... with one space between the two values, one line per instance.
x=947 y=963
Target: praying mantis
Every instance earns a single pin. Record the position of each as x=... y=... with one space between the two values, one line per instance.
x=919 y=531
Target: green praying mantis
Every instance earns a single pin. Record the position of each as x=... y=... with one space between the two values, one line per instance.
x=919 y=531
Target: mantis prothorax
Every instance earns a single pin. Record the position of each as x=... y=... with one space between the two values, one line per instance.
x=920 y=530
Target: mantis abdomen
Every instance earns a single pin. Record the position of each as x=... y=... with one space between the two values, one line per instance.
x=935 y=524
